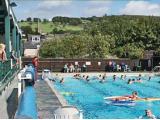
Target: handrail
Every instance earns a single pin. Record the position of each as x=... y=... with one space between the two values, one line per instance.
x=3 y=86
x=6 y=73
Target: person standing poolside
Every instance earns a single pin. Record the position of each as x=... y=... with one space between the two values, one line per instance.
x=35 y=64
x=148 y=115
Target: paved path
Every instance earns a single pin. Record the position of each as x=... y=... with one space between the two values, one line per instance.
x=47 y=101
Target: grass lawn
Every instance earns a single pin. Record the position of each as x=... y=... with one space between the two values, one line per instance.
x=49 y=26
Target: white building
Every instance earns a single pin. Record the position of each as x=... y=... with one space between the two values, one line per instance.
x=34 y=38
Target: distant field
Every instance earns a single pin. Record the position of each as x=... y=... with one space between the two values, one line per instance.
x=49 y=26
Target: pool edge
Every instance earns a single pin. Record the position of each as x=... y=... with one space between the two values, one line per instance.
x=59 y=96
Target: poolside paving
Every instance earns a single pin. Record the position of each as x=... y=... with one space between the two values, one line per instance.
x=47 y=101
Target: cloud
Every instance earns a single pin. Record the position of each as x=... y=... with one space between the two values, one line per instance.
x=48 y=9
x=103 y=2
x=97 y=8
x=141 y=8
x=50 y=4
x=96 y=11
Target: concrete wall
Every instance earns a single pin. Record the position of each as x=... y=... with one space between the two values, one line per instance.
x=9 y=100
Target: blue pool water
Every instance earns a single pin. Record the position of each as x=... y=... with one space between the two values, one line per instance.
x=89 y=97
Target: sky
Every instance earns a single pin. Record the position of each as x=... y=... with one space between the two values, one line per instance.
x=84 y=8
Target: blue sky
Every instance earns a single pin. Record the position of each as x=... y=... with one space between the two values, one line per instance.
x=84 y=8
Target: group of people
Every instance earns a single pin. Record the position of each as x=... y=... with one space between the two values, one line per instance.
x=138 y=80
x=74 y=68
x=112 y=66
x=101 y=78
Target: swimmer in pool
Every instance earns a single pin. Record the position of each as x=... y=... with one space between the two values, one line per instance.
x=87 y=78
x=139 y=80
x=148 y=115
x=129 y=81
x=114 y=77
x=122 y=77
x=100 y=77
x=62 y=81
x=103 y=79
x=83 y=77
x=134 y=96
x=104 y=76
x=139 y=75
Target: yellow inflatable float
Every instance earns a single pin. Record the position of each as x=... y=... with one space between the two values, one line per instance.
x=68 y=93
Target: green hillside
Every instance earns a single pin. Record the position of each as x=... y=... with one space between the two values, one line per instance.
x=47 y=27
x=121 y=36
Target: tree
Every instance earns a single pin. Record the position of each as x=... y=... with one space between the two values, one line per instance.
x=54 y=31
x=45 y=20
x=36 y=19
x=123 y=36
x=27 y=30
x=22 y=21
x=29 y=19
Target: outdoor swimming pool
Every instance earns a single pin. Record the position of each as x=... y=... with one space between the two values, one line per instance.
x=89 y=96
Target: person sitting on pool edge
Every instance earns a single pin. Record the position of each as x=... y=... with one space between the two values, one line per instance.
x=148 y=115
x=134 y=96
